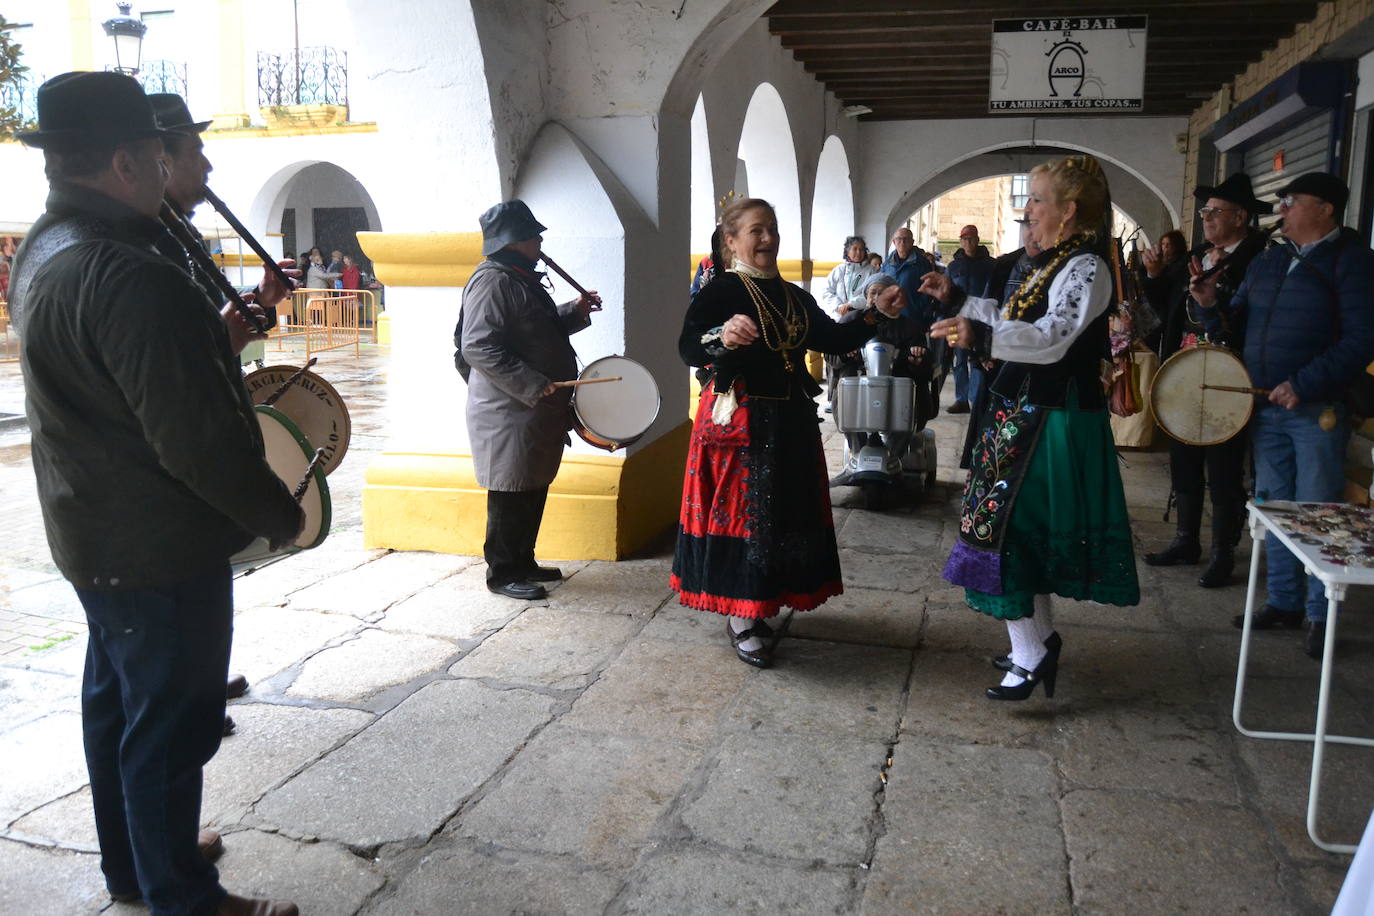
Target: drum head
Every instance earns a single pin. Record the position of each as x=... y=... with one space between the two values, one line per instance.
x=288 y=454
x=1195 y=415
x=618 y=412
x=315 y=406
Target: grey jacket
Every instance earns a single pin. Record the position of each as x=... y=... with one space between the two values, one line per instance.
x=145 y=446
x=516 y=341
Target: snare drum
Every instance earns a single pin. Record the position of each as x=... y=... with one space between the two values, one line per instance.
x=1195 y=415
x=312 y=403
x=288 y=454
x=615 y=414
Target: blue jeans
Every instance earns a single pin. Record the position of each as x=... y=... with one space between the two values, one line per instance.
x=968 y=377
x=1297 y=459
x=152 y=715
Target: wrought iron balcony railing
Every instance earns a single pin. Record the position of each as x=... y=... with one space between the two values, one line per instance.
x=163 y=76
x=22 y=96
x=310 y=76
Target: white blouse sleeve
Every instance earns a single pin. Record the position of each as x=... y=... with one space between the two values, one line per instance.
x=1079 y=294
x=985 y=310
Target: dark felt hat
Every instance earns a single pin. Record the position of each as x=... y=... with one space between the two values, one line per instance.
x=1319 y=184
x=1237 y=190
x=508 y=221
x=172 y=114
x=82 y=109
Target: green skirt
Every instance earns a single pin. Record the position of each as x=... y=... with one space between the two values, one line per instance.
x=1068 y=533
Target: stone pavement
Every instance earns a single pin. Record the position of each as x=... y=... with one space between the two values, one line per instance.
x=412 y=744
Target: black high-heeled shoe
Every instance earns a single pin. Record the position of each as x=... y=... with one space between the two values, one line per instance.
x=1047 y=671
x=1052 y=642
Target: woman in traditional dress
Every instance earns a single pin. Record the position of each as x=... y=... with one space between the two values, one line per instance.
x=755 y=532
x=1043 y=510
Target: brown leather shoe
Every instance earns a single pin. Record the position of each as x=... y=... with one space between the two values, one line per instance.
x=210 y=844
x=235 y=687
x=234 y=905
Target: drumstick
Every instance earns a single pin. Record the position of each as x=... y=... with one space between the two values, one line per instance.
x=589 y=381
x=310 y=470
x=295 y=376
x=1262 y=391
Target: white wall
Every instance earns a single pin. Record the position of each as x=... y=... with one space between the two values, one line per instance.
x=832 y=212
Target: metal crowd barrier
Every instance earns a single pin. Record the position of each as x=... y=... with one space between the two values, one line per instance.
x=9 y=343
x=327 y=319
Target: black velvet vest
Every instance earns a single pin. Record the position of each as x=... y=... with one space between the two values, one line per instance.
x=1080 y=368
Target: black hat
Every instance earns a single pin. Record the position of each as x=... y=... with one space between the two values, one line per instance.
x=508 y=221
x=82 y=109
x=1238 y=190
x=172 y=114
x=1319 y=184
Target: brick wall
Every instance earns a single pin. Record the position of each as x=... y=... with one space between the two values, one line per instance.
x=1334 y=18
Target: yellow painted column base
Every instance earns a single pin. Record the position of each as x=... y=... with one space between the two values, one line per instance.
x=384 y=329
x=601 y=507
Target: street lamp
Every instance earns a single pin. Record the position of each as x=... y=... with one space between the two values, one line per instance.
x=127 y=33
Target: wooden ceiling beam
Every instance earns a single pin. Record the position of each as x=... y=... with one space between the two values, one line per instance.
x=831 y=10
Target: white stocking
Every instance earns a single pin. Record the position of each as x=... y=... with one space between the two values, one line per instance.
x=1027 y=648
x=739 y=625
x=1044 y=616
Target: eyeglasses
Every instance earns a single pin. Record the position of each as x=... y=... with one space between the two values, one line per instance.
x=1205 y=212
x=1289 y=202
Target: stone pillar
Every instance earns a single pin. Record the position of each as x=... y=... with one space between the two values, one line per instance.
x=233 y=110
x=422 y=494
x=83 y=54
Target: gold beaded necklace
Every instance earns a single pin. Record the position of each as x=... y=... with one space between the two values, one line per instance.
x=782 y=328
x=1034 y=289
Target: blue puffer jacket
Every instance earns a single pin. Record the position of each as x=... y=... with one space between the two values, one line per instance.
x=919 y=307
x=1312 y=326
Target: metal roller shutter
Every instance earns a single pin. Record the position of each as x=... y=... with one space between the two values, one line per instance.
x=1306 y=148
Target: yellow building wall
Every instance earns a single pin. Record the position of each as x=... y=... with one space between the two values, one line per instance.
x=601 y=507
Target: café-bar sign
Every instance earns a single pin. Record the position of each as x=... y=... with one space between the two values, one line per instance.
x=1087 y=64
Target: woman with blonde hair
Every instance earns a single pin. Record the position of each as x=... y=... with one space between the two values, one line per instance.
x=755 y=532
x=1043 y=511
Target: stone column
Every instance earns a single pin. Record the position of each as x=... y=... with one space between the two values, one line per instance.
x=233 y=111
x=83 y=54
x=422 y=494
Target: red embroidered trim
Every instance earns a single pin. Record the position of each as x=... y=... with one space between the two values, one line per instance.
x=743 y=607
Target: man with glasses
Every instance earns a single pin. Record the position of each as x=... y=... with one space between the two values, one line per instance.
x=1228 y=213
x=1309 y=312
x=907 y=264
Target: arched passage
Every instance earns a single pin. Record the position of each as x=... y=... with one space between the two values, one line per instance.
x=316 y=203
x=832 y=206
x=770 y=165
x=1151 y=211
x=703 y=206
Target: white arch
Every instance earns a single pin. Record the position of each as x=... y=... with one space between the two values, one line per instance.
x=272 y=198
x=832 y=205
x=770 y=162
x=703 y=183
x=1135 y=197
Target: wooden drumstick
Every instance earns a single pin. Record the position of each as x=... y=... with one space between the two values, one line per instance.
x=310 y=470
x=589 y=381
x=286 y=385
x=1260 y=391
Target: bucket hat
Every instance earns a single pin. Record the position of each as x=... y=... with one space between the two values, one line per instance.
x=508 y=221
